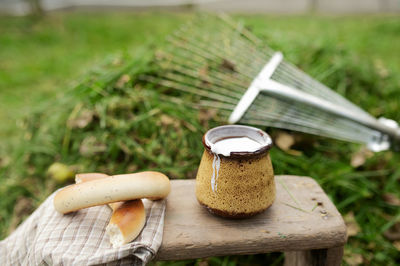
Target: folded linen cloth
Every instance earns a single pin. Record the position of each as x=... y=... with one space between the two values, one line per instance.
x=50 y=238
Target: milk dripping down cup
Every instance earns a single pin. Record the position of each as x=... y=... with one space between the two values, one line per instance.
x=235 y=178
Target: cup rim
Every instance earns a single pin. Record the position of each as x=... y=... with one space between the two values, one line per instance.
x=234 y=129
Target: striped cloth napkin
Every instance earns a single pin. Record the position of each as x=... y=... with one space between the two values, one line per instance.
x=50 y=238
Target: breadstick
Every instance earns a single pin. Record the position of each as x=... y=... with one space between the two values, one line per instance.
x=152 y=185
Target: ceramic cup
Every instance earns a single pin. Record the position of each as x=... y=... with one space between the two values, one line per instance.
x=239 y=183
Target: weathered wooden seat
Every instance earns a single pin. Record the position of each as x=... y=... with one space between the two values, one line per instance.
x=302 y=222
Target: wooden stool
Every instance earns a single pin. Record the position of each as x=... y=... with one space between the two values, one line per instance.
x=302 y=222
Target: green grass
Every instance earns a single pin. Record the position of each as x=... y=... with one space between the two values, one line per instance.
x=39 y=57
x=132 y=127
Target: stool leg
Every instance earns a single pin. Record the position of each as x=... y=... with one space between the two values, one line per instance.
x=316 y=257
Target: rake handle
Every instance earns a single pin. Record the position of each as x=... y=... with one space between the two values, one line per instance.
x=277 y=89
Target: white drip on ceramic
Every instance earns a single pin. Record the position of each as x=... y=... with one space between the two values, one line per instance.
x=215 y=165
x=225 y=147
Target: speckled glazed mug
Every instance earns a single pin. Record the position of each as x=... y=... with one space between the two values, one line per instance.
x=239 y=185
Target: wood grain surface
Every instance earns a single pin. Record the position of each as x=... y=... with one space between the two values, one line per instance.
x=301 y=218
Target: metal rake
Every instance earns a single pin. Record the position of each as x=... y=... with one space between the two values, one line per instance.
x=232 y=70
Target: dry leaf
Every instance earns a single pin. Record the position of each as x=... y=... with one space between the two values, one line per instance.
x=294 y=152
x=82 y=120
x=203 y=75
x=391 y=199
x=166 y=120
x=381 y=69
x=203 y=72
x=189 y=126
x=285 y=141
x=5 y=161
x=352 y=226
x=207 y=114
x=396 y=244
x=203 y=262
x=228 y=65
x=393 y=233
x=132 y=168
x=353 y=259
x=360 y=157
x=90 y=146
x=122 y=81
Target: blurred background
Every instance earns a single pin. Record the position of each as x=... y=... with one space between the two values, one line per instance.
x=23 y=7
x=72 y=100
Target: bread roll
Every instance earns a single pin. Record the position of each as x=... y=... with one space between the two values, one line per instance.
x=152 y=185
x=126 y=222
x=128 y=218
